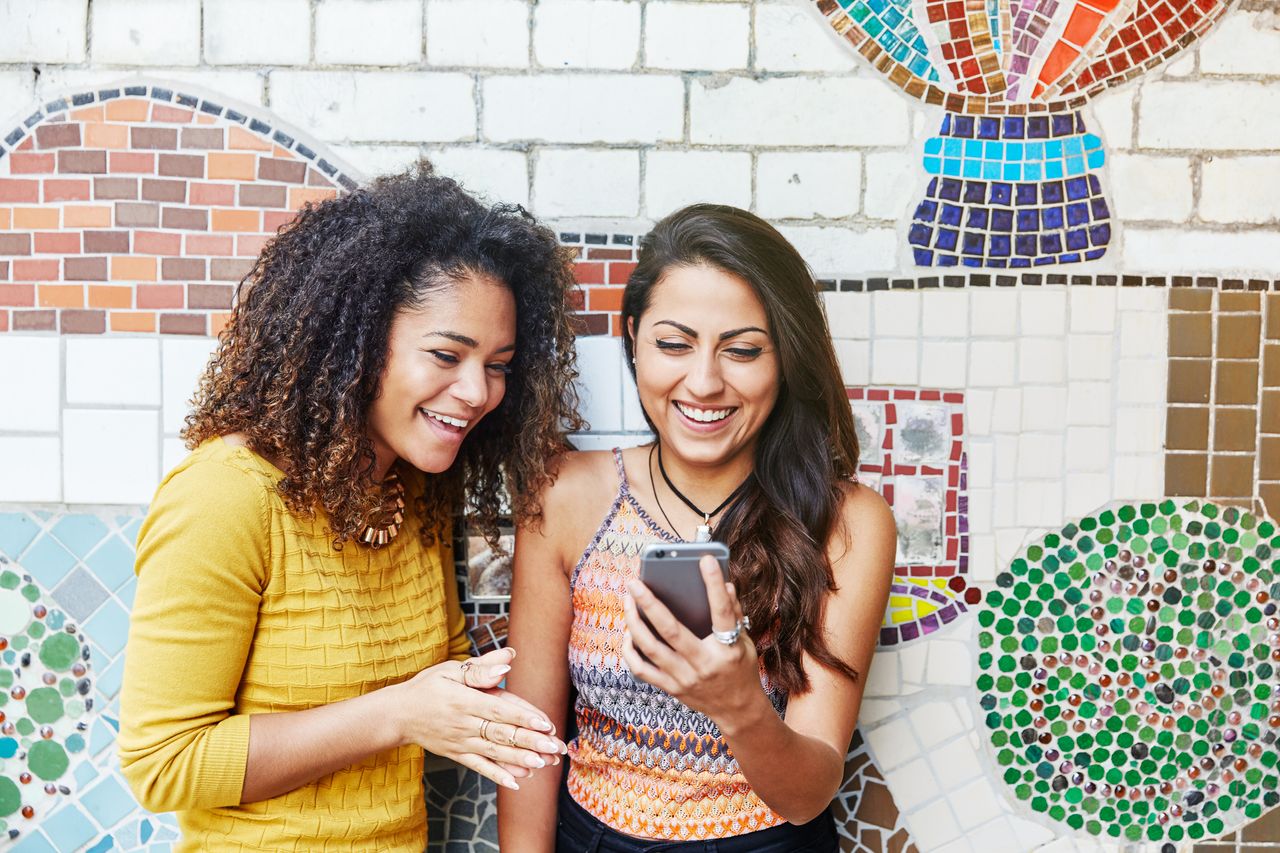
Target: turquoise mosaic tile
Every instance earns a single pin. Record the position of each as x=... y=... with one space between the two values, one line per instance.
x=69 y=829
x=109 y=801
x=17 y=530
x=80 y=533
x=112 y=562
x=48 y=561
x=109 y=627
x=35 y=844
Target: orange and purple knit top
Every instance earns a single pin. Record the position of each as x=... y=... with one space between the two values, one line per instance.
x=644 y=763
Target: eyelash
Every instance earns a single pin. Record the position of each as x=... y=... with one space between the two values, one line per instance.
x=740 y=352
x=452 y=360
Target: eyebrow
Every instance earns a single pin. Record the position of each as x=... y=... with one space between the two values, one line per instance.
x=724 y=336
x=464 y=340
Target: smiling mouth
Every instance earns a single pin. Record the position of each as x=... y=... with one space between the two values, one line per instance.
x=701 y=415
x=447 y=420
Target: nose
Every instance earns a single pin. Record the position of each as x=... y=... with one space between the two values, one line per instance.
x=705 y=378
x=471 y=387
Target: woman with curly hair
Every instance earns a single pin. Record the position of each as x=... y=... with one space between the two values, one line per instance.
x=296 y=640
x=732 y=741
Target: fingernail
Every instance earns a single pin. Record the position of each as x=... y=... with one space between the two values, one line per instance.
x=548 y=746
x=511 y=783
x=534 y=761
x=540 y=724
x=501 y=670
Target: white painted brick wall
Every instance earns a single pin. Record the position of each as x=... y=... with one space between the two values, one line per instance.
x=252 y=32
x=586 y=33
x=1151 y=188
x=1173 y=250
x=43 y=30
x=1240 y=189
x=495 y=174
x=368 y=32
x=431 y=106
x=1211 y=115
x=146 y=32
x=805 y=185
x=113 y=370
x=674 y=179
x=584 y=108
x=577 y=182
x=30 y=396
x=791 y=37
x=697 y=36
x=482 y=33
x=1243 y=43
x=32 y=469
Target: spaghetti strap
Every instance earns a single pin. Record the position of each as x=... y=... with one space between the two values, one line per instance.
x=622 y=471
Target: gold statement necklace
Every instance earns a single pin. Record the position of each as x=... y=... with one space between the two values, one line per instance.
x=387 y=520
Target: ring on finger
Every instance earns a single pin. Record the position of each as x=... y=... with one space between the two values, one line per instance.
x=728 y=638
x=746 y=622
x=466 y=667
x=484 y=729
x=511 y=738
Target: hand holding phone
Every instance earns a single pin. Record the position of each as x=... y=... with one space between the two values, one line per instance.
x=670 y=570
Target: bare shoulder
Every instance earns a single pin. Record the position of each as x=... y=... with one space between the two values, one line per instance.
x=583 y=480
x=867 y=536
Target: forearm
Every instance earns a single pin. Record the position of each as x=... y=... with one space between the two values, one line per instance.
x=796 y=775
x=290 y=749
x=527 y=818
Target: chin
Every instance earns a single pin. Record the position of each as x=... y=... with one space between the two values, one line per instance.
x=431 y=462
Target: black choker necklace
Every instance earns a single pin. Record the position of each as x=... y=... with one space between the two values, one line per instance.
x=704 y=529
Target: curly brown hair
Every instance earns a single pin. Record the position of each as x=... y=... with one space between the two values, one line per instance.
x=302 y=358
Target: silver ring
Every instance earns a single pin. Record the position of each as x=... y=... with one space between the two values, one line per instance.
x=466 y=665
x=746 y=622
x=728 y=638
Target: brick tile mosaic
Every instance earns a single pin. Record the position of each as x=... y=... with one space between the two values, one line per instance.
x=133 y=172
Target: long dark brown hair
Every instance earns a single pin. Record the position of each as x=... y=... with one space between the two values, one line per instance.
x=302 y=358
x=778 y=530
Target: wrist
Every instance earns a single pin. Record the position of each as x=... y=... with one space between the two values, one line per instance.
x=749 y=714
x=386 y=714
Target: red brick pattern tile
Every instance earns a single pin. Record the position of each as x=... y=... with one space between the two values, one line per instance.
x=139 y=214
x=601 y=270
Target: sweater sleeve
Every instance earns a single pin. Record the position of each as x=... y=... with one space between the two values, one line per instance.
x=202 y=567
x=459 y=639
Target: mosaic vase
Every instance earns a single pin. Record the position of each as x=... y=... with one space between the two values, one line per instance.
x=1010 y=192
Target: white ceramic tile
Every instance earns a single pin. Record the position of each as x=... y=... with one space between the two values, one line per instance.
x=113 y=371
x=872 y=711
x=1044 y=407
x=1005 y=448
x=949 y=663
x=1039 y=503
x=1086 y=492
x=848 y=314
x=1143 y=300
x=883 y=680
x=956 y=845
x=980 y=517
x=1144 y=335
x=110 y=456
x=942 y=364
x=1089 y=356
x=892 y=744
x=996 y=836
x=183 y=361
x=1041 y=360
x=855 y=361
x=29 y=383
x=912 y=658
x=932 y=826
x=981 y=457
x=894 y=362
x=991 y=363
x=993 y=312
x=32 y=469
x=600 y=381
x=1139 y=476
x=1089 y=403
x=1040 y=455
x=1006 y=414
x=955 y=763
x=934 y=722
x=1043 y=311
x=945 y=315
x=1139 y=430
x=1009 y=543
x=977 y=411
x=1088 y=449
x=1093 y=309
x=1030 y=835
x=896 y=313
x=975 y=803
x=912 y=785
x=1141 y=380
x=983 y=566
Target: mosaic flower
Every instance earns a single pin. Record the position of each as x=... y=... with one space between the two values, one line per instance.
x=44 y=702
x=1014 y=172
x=1128 y=671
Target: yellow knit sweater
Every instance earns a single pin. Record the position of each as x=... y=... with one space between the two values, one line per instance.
x=245 y=608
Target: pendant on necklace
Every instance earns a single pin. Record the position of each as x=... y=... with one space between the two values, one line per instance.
x=704 y=532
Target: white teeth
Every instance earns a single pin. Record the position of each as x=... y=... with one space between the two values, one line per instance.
x=445 y=419
x=705 y=416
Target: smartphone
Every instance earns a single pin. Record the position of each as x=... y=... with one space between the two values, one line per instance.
x=671 y=570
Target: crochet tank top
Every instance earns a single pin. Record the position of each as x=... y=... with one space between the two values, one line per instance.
x=644 y=763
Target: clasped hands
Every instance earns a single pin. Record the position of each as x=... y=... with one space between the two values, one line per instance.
x=718 y=678
x=458 y=711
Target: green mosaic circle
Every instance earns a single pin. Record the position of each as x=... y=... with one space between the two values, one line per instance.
x=1129 y=671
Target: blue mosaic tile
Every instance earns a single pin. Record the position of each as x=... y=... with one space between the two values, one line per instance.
x=109 y=801
x=34 y=843
x=80 y=533
x=17 y=529
x=127 y=592
x=48 y=561
x=103 y=845
x=112 y=562
x=109 y=628
x=110 y=678
x=84 y=774
x=69 y=829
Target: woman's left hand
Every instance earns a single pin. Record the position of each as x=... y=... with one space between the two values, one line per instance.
x=719 y=680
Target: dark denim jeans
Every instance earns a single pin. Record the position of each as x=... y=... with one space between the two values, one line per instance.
x=580 y=832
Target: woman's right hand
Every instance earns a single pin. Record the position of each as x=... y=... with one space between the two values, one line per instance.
x=457 y=711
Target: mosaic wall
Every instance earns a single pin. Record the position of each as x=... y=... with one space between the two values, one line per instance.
x=1014 y=172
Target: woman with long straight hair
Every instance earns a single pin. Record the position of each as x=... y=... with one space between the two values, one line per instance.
x=735 y=741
